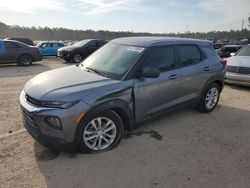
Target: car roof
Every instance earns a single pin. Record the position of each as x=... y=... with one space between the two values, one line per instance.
x=157 y=41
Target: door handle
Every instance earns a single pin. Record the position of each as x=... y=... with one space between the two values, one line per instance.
x=172 y=76
x=206 y=69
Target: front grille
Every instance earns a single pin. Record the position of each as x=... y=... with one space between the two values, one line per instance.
x=232 y=68
x=32 y=100
x=236 y=69
x=244 y=70
x=28 y=117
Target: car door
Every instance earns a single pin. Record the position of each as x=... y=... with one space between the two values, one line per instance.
x=11 y=52
x=194 y=71
x=155 y=94
x=43 y=49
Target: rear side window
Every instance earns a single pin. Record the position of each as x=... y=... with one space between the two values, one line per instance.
x=209 y=51
x=9 y=45
x=188 y=55
x=161 y=58
x=56 y=45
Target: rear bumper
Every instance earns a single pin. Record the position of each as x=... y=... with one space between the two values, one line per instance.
x=239 y=79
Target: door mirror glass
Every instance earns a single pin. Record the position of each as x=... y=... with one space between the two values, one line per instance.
x=149 y=72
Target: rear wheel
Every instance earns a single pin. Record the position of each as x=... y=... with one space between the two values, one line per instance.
x=209 y=98
x=25 y=60
x=77 y=58
x=100 y=132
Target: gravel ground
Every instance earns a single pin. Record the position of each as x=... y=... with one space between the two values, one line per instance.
x=181 y=149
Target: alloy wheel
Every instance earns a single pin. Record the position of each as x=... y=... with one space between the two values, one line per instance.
x=100 y=133
x=211 y=98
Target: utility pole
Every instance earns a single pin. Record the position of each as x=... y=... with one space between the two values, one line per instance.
x=242 y=26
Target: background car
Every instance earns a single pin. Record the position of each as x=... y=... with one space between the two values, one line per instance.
x=80 y=50
x=238 y=69
x=49 y=48
x=17 y=52
x=227 y=50
x=23 y=40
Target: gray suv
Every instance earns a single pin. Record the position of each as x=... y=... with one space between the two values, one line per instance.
x=89 y=106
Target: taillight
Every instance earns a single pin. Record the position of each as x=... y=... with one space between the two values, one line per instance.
x=224 y=62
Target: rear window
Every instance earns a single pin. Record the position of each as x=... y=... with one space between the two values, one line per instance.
x=231 y=49
x=188 y=55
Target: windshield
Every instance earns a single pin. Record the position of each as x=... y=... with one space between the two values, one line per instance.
x=113 y=60
x=81 y=43
x=244 y=52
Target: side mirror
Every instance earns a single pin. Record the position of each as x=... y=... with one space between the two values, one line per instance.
x=149 y=72
x=232 y=54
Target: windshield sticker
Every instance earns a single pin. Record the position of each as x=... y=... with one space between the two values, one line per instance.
x=135 y=49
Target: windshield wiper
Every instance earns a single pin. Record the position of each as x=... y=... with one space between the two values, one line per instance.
x=95 y=71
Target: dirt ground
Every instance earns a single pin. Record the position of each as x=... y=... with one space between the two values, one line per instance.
x=182 y=149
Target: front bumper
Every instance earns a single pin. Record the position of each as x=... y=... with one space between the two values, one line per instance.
x=39 y=129
x=64 y=55
x=239 y=79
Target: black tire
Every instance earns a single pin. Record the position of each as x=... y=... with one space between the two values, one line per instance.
x=114 y=117
x=202 y=107
x=25 y=60
x=77 y=58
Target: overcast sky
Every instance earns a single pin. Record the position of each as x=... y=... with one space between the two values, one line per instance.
x=161 y=16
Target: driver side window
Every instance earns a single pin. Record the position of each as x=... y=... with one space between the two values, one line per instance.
x=161 y=58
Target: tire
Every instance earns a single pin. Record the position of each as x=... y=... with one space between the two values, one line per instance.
x=91 y=138
x=77 y=58
x=209 y=98
x=25 y=60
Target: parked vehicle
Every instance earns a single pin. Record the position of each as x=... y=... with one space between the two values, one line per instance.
x=88 y=106
x=49 y=48
x=23 y=40
x=227 y=50
x=80 y=50
x=17 y=52
x=238 y=69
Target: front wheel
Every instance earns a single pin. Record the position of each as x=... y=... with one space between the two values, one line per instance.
x=209 y=98
x=77 y=58
x=100 y=132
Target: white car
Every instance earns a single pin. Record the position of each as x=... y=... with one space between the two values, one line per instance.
x=238 y=67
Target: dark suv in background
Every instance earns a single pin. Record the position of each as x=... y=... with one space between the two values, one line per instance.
x=23 y=40
x=227 y=50
x=80 y=50
x=124 y=83
x=17 y=52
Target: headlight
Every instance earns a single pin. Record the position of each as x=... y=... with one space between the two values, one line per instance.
x=56 y=104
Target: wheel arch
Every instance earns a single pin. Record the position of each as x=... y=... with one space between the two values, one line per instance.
x=118 y=106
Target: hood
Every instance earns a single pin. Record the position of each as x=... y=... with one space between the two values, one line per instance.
x=68 y=48
x=242 y=61
x=67 y=84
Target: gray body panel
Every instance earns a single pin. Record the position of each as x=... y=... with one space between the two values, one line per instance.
x=141 y=97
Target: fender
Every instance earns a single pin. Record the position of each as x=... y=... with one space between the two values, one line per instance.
x=111 y=104
x=214 y=78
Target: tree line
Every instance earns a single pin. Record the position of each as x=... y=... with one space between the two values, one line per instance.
x=46 y=33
